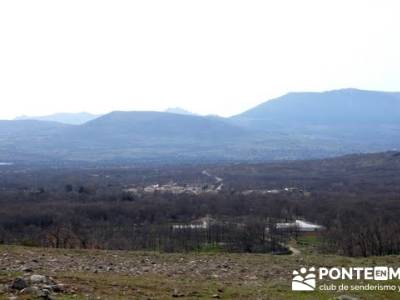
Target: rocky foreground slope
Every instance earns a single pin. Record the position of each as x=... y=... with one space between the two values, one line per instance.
x=35 y=273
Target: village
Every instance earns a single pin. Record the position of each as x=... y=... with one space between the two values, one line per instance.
x=174 y=188
x=198 y=189
x=208 y=188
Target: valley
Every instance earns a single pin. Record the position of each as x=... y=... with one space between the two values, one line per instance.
x=165 y=205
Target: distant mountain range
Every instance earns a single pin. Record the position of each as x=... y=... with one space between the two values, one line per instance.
x=66 y=118
x=83 y=117
x=294 y=126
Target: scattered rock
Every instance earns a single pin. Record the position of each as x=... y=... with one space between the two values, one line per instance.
x=3 y=288
x=59 y=288
x=34 y=287
x=177 y=294
x=19 y=284
x=30 y=290
x=216 y=296
x=26 y=270
x=44 y=295
x=36 y=279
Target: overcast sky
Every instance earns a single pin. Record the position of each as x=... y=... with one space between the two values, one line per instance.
x=207 y=56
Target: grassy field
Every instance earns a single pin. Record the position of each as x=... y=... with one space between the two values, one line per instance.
x=94 y=274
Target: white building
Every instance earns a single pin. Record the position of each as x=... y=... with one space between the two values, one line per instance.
x=202 y=223
x=300 y=225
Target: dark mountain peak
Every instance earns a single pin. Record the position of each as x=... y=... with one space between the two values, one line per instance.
x=142 y=116
x=161 y=125
x=136 y=117
x=329 y=108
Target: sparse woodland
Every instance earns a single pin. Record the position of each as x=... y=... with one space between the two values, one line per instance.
x=356 y=198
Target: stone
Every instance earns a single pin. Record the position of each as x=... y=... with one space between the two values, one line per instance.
x=30 y=290
x=35 y=279
x=48 y=287
x=44 y=294
x=26 y=270
x=59 y=288
x=3 y=288
x=19 y=284
x=177 y=294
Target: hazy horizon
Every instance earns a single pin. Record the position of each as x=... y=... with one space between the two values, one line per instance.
x=169 y=108
x=214 y=57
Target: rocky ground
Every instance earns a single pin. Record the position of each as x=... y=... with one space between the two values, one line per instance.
x=35 y=273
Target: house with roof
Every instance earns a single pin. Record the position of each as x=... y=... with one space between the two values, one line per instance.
x=201 y=223
x=300 y=226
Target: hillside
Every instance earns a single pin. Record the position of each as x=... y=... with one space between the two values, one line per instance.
x=350 y=120
x=332 y=108
x=29 y=140
x=109 y=275
x=161 y=125
x=25 y=128
x=355 y=172
x=140 y=136
x=294 y=126
x=152 y=136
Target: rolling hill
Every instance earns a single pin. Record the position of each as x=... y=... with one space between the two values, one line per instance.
x=138 y=136
x=152 y=136
x=294 y=126
x=150 y=124
x=354 y=120
x=338 y=107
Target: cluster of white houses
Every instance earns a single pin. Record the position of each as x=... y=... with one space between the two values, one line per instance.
x=296 y=225
x=174 y=188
